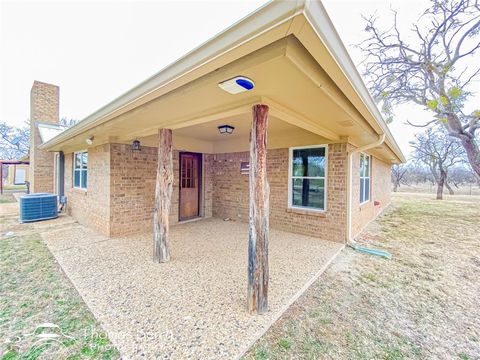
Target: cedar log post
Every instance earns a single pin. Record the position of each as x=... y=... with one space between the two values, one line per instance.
x=257 y=294
x=163 y=196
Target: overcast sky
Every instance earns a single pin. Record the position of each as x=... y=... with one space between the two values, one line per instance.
x=97 y=50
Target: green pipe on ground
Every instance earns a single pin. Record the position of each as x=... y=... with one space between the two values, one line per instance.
x=381 y=253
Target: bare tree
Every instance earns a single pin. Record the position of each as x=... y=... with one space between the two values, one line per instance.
x=418 y=173
x=398 y=174
x=461 y=175
x=477 y=177
x=434 y=71
x=66 y=123
x=439 y=152
x=14 y=142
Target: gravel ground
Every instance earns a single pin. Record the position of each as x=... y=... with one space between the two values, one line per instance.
x=193 y=307
x=423 y=304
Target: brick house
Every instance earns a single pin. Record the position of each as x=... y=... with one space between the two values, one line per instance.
x=329 y=151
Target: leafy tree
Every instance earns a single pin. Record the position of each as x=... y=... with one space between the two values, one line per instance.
x=434 y=68
x=439 y=152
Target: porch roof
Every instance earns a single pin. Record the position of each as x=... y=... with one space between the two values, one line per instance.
x=301 y=70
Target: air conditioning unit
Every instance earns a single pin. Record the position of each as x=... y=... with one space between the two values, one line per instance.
x=39 y=206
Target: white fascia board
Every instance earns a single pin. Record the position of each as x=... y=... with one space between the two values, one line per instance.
x=253 y=25
x=318 y=18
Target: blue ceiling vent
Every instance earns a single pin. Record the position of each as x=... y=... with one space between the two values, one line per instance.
x=237 y=85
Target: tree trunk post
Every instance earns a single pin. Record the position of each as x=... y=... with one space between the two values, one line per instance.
x=163 y=196
x=257 y=293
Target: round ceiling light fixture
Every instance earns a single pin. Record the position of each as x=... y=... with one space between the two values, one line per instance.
x=237 y=85
x=89 y=140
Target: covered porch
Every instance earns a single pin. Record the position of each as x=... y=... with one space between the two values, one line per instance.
x=193 y=306
x=293 y=103
x=303 y=91
x=191 y=185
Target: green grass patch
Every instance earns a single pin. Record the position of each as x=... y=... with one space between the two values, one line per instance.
x=34 y=292
x=285 y=344
x=261 y=354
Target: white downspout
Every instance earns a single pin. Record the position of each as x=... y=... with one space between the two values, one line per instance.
x=381 y=138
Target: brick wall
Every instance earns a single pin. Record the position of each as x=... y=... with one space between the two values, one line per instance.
x=380 y=191
x=44 y=101
x=119 y=199
x=121 y=190
x=207 y=185
x=92 y=206
x=230 y=194
x=132 y=183
x=44 y=107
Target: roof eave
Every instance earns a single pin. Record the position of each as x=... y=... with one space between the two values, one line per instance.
x=253 y=25
x=318 y=17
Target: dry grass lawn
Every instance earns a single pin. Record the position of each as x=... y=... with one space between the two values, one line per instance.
x=35 y=292
x=423 y=304
x=6 y=198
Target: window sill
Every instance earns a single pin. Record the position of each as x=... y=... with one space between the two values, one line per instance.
x=317 y=213
x=362 y=205
x=79 y=190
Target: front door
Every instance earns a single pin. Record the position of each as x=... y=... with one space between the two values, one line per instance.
x=190 y=185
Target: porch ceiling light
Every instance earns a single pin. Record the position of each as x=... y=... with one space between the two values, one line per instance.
x=89 y=140
x=237 y=85
x=136 y=145
x=226 y=129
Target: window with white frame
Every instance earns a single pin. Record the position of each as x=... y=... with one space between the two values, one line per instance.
x=307 y=177
x=80 y=162
x=365 y=170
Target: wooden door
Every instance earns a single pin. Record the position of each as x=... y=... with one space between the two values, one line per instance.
x=190 y=185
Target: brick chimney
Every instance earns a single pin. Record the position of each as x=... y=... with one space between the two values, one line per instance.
x=44 y=109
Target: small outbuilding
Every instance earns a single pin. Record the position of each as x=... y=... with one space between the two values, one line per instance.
x=17 y=173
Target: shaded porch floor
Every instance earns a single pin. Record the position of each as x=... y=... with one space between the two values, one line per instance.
x=193 y=307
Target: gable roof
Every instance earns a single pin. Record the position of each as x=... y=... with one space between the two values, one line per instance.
x=48 y=131
x=273 y=21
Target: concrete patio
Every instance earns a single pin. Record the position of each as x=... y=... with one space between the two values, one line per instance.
x=193 y=307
